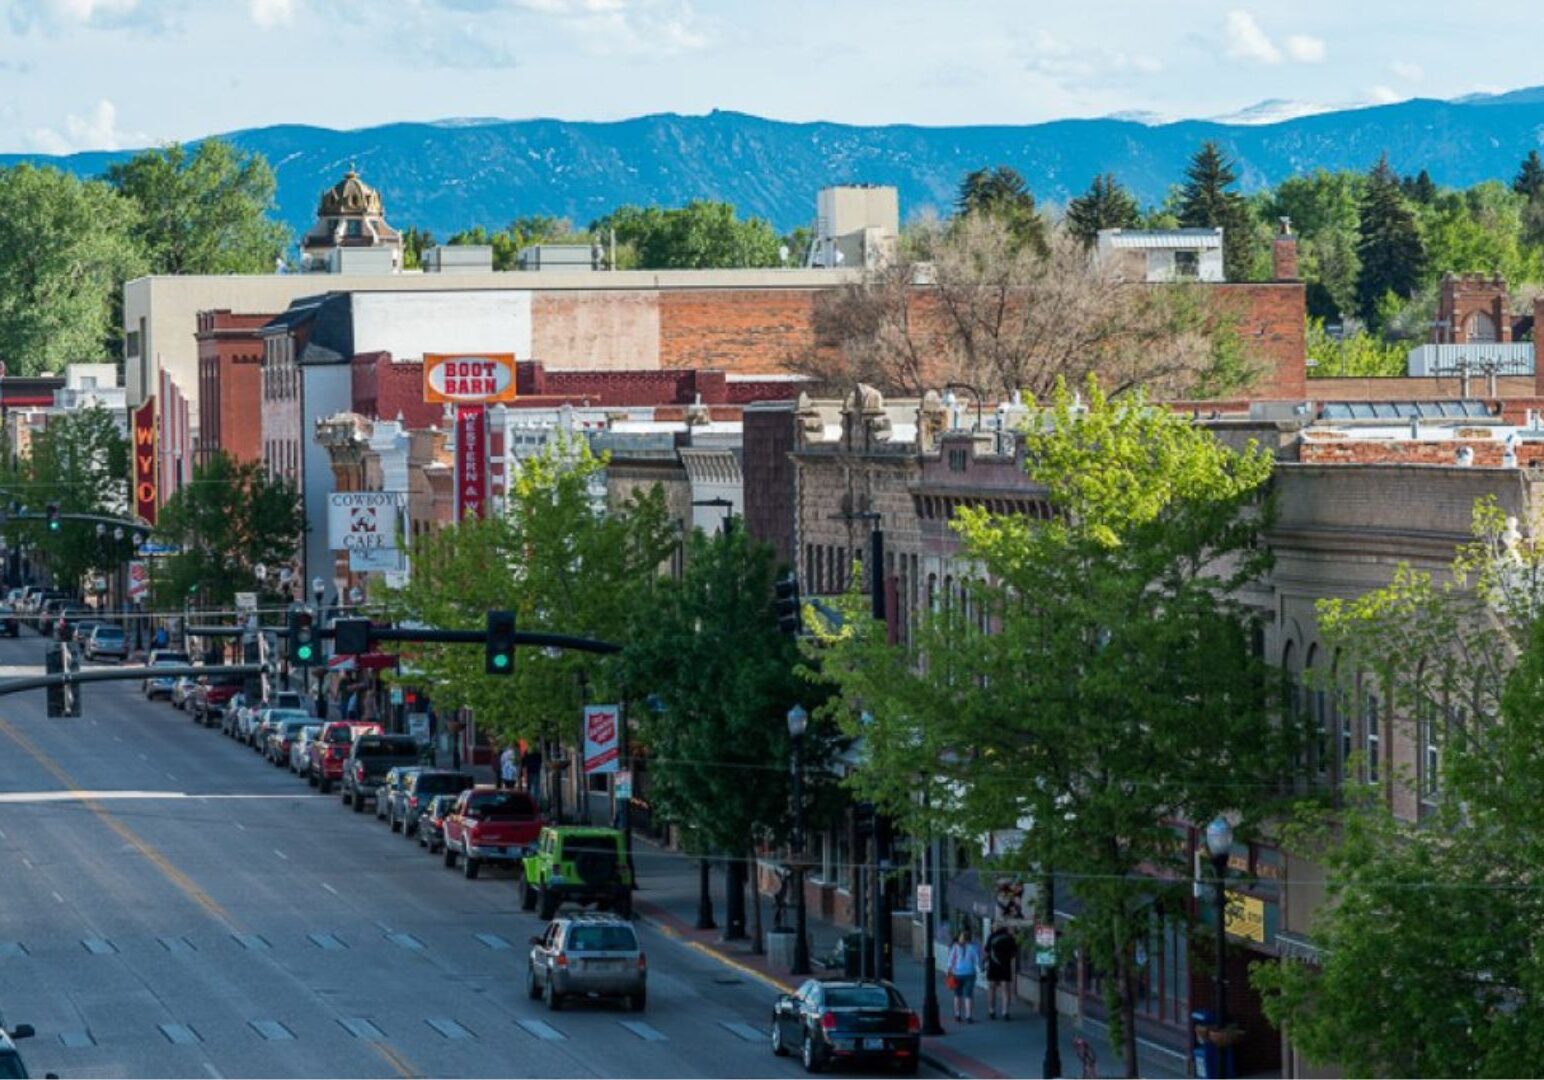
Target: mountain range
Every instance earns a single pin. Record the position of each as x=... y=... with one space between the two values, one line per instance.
x=451 y=174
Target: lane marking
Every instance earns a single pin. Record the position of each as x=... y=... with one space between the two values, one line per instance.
x=98 y=946
x=58 y=898
x=330 y=889
x=706 y=950
x=271 y=1030
x=330 y=942
x=407 y=941
x=252 y=942
x=240 y=826
x=179 y=1034
x=644 y=1031
x=452 y=1030
x=494 y=942
x=281 y=854
x=360 y=1028
x=542 y=1030
x=213 y=1073
x=27 y=863
x=78 y=1039
x=744 y=1030
x=11 y=950
x=76 y=794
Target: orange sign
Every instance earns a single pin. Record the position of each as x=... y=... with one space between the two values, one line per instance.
x=469 y=379
x=145 y=461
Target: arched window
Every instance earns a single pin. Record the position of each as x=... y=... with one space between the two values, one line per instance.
x=1480 y=328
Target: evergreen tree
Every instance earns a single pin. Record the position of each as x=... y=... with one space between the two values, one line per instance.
x=1420 y=188
x=1392 y=252
x=1206 y=202
x=1001 y=193
x=1105 y=205
x=1530 y=177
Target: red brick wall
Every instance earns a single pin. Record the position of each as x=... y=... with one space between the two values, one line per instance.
x=1487 y=452
x=230 y=364
x=385 y=389
x=1273 y=324
x=742 y=331
x=768 y=471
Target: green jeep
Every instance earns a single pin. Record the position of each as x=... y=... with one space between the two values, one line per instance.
x=577 y=864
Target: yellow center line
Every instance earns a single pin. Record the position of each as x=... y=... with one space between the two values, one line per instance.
x=159 y=861
x=396 y=1061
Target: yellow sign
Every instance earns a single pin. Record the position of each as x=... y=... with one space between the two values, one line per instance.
x=1245 y=917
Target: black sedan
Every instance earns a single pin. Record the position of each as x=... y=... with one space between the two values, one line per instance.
x=10 y=625
x=859 y=1021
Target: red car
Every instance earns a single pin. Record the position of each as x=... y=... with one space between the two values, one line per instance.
x=490 y=825
x=329 y=750
x=210 y=699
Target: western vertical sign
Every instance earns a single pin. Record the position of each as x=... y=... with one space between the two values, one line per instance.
x=144 y=427
x=602 y=730
x=471 y=462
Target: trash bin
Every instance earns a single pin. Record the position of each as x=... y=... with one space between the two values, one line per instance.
x=1205 y=1055
x=855 y=947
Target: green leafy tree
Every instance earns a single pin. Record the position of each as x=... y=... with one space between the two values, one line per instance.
x=1205 y=201
x=204 y=211
x=65 y=244
x=229 y=519
x=1105 y=205
x=1427 y=962
x=1001 y=193
x=1356 y=355
x=709 y=650
x=701 y=235
x=415 y=242
x=561 y=563
x=1085 y=678
x=1390 y=246
x=80 y=462
x=1529 y=182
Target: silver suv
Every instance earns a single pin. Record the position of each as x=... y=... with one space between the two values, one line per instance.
x=588 y=955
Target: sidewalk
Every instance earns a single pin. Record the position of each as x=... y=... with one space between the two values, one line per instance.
x=667 y=897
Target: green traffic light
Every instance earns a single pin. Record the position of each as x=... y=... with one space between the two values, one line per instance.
x=304 y=652
x=53 y=526
x=500 y=661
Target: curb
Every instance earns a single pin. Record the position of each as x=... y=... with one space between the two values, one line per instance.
x=952 y=1064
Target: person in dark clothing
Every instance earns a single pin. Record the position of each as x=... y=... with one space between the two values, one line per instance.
x=530 y=764
x=1002 y=954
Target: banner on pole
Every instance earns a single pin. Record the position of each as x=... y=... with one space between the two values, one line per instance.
x=602 y=731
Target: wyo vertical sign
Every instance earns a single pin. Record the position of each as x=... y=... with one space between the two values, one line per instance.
x=144 y=428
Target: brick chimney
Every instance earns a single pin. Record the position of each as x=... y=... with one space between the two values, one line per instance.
x=1284 y=253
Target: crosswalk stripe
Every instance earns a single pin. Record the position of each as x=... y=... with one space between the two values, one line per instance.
x=271 y=1030
x=494 y=942
x=449 y=1028
x=542 y=1030
x=360 y=1028
x=646 y=1032
x=181 y=1034
x=742 y=1029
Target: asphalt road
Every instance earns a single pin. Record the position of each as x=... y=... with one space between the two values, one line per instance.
x=171 y=905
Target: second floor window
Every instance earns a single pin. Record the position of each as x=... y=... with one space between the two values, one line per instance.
x=1374 y=738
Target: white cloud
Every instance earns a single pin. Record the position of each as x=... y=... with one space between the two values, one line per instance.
x=1246 y=41
x=1305 y=49
x=55 y=16
x=271 y=13
x=1384 y=95
x=1408 y=71
x=97 y=130
x=1060 y=60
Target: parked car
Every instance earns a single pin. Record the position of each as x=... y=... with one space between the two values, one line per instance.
x=329 y=753
x=300 y=749
x=79 y=630
x=395 y=780
x=10 y=624
x=578 y=864
x=860 y=1021
x=211 y=696
x=370 y=759
x=47 y=610
x=491 y=825
x=163 y=685
x=247 y=718
x=107 y=642
x=431 y=824
x=588 y=955
x=64 y=616
x=182 y=691
x=284 y=727
x=408 y=803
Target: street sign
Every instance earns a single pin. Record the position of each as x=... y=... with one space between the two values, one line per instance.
x=246 y=601
x=396 y=695
x=1045 y=945
x=924 y=899
x=156 y=547
x=418 y=725
x=602 y=727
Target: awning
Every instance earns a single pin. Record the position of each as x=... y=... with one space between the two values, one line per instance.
x=371 y=661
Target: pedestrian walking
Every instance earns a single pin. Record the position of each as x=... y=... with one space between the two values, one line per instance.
x=530 y=764
x=960 y=971
x=507 y=769
x=1002 y=955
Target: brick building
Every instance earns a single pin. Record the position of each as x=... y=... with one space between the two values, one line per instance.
x=230 y=384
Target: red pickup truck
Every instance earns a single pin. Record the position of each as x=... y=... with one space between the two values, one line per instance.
x=329 y=750
x=489 y=825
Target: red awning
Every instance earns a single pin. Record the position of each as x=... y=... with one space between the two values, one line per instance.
x=371 y=661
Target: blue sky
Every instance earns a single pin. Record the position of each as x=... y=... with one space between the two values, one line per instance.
x=104 y=74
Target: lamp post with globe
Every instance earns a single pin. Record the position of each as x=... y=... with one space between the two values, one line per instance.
x=798 y=721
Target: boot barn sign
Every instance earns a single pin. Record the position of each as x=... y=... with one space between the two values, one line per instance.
x=469 y=379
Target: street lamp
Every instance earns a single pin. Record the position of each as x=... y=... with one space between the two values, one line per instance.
x=1219 y=844
x=798 y=720
x=319 y=590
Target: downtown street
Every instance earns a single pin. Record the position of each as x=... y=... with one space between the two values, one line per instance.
x=171 y=905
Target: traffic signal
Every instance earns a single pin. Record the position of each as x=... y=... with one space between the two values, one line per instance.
x=500 y=656
x=350 y=637
x=302 y=637
x=789 y=607
x=53 y=517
